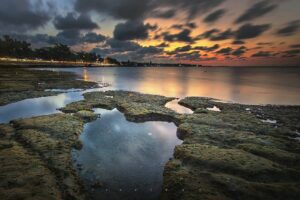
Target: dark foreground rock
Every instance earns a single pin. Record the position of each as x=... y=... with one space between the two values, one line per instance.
x=38 y=163
x=237 y=153
x=17 y=83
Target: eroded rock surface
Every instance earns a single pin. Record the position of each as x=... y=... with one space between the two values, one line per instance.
x=232 y=154
x=38 y=163
x=235 y=154
x=17 y=84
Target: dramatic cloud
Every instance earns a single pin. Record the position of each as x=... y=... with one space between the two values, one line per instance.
x=119 y=9
x=181 y=49
x=207 y=49
x=257 y=10
x=213 y=17
x=141 y=9
x=93 y=38
x=189 y=25
x=121 y=46
x=24 y=15
x=248 y=31
x=240 y=51
x=208 y=34
x=238 y=42
x=71 y=22
x=183 y=36
x=165 y=14
x=291 y=53
x=263 y=54
x=132 y=30
x=222 y=35
x=225 y=51
x=195 y=56
x=290 y=29
x=264 y=43
x=125 y=50
x=163 y=45
x=295 y=46
x=193 y=7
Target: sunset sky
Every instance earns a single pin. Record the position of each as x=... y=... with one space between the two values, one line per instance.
x=208 y=32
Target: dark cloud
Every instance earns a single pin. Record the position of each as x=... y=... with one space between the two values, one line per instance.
x=263 y=54
x=264 y=43
x=165 y=14
x=222 y=35
x=183 y=36
x=257 y=10
x=291 y=53
x=208 y=49
x=208 y=34
x=195 y=56
x=248 y=31
x=163 y=45
x=180 y=50
x=193 y=7
x=67 y=37
x=23 y=15
x=214 y=16
x=294 y=46
x=238 y=42
x=124 y=50
x=93 y=38
x=189 y=25
x=132 y=30
x=71 y=22
x=121 y=46
x=119 y=9
x=290 y=29
x=225 y=51
x=141 y=9
x=239 y=52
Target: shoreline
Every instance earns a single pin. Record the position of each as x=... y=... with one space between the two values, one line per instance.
x=261 y=159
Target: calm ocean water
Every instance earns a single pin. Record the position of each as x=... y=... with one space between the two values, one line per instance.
x=247 y=85
x=127 y=159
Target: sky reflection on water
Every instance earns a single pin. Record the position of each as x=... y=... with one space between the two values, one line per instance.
x=248 y=85
x=125 y=155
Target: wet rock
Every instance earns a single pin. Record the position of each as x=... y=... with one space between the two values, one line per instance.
x=6 y=145
x=33 y=83
x=87 y=115
x=233 y=154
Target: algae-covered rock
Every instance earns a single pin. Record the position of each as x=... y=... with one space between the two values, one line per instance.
x=17 y=84
x=87 y=115
x=24 y=176
x=52 y=137
x=136 y=106
x=235 y=153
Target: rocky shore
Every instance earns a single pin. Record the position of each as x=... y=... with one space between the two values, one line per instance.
x=17 y=84
x=230 y=151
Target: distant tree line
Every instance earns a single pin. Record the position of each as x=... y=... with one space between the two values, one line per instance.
x=13 y=48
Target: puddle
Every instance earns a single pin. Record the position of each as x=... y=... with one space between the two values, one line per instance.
x=269 y=121
x=173 y=105
x=40 y=106
x=63 y=90
x=215 y=109
x=124 y=160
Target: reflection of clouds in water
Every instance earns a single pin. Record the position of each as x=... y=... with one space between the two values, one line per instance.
x=128 y=155
x=267 y=85
x=37 y=106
